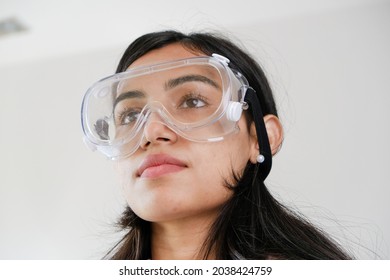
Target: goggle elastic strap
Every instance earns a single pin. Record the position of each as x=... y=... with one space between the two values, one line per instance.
x=262 y=135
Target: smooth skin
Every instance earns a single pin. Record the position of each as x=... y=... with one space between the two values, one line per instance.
x=182 y=203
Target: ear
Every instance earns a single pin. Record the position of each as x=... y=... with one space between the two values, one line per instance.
x=275 y=132
x=275 y=136
x=254 y=144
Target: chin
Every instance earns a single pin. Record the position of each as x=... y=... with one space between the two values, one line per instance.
x=157 y=218
x=157 y=214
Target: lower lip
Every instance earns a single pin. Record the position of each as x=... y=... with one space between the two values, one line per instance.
x=160 y=170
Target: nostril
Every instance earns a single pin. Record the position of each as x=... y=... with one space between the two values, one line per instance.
x=163 y=139
x=146 y=143
x=156 y=132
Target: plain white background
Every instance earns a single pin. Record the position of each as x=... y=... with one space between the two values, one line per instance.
x=328 y=63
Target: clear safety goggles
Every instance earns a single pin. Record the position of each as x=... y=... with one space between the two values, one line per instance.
x=200 y=99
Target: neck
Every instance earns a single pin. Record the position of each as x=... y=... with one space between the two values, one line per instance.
x=180 y=240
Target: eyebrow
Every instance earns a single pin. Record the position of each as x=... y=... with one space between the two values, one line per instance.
x=127 y=95
x=189 y=78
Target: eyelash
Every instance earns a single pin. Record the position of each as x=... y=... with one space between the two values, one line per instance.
x=193 y=96
x=125 y=112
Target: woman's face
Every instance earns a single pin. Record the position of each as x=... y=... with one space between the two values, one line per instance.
x=169 y=177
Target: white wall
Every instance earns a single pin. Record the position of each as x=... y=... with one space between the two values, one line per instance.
x=330 y=72
x=331 y=75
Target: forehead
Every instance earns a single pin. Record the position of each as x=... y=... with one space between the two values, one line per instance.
x=170 y=52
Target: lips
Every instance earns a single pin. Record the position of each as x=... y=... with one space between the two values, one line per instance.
x=158 y=165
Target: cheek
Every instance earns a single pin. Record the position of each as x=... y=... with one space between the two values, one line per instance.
x=219 y=160
x=125 y=171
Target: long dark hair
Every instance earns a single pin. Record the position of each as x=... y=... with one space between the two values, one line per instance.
x=252 y=224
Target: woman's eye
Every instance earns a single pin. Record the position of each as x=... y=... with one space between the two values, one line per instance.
x=193 y=102
x=129 y=117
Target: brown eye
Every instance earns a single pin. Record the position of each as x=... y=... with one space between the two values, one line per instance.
x=128 y=117
x=193 y=103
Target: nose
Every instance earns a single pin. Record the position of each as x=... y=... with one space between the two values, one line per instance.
x=156 y=132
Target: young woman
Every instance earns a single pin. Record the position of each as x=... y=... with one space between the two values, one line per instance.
x=192 y=124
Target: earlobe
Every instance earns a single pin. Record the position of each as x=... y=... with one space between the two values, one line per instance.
x=274 y=131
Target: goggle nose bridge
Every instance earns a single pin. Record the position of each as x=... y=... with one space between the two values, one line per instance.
x=155 y=107
x=158 y=109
